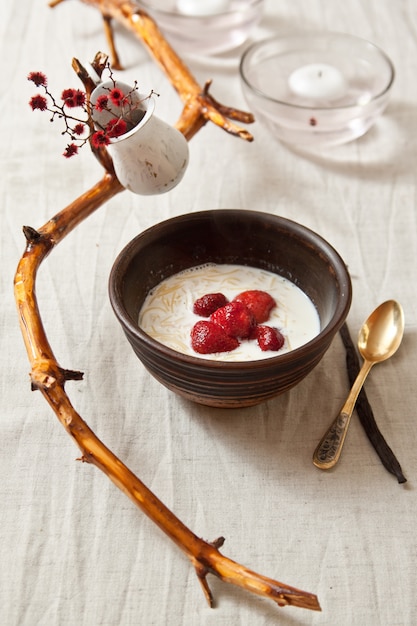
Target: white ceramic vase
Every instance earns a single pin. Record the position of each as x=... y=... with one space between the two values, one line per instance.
x=153 y=156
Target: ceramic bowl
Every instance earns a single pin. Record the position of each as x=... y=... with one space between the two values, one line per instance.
x=316 y=90
x=239 y=237
x=204 y=27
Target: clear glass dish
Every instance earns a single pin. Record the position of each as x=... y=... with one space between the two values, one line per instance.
x=340 y=102
x=199 y=34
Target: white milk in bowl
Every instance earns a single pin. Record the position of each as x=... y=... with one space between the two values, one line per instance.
x=167 y=312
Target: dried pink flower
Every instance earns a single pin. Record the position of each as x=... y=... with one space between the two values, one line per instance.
x=117 y=96
x=116 y=127
x=100 y=139
x=70 y=150
x=80 y=130
x=73 y=98
x=102 y=103
x=38 y=78
x=38 y=102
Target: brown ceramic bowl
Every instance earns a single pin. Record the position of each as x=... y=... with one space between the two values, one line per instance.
x=245 y=238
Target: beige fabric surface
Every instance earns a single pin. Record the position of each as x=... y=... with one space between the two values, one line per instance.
x=74 y=550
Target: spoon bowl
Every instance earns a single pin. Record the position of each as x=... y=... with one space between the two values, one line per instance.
x=379 y=338
x=381 y=334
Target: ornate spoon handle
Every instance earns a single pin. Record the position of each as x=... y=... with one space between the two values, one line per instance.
x=327 y=453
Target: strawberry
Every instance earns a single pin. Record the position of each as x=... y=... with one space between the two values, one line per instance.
x=259 y=303
x=207 y=337
x=269 y=338
x=207 y=304
x=235 y=319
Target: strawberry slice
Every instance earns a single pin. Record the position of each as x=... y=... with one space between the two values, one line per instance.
x=269 y=338
x=207 y=304
x=260 y=303
x=235 y=319
x=207 y=337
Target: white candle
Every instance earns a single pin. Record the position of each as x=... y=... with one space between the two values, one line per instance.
x=318 y=81
x=202 y=7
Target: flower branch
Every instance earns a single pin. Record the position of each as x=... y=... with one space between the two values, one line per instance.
x=199 y=106
x=124 y=108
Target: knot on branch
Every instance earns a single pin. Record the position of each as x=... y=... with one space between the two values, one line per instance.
x=217 y=543
x=84 y=458
x=31 y=234
x=72 y=374
x=37 y=238
x=46 y=375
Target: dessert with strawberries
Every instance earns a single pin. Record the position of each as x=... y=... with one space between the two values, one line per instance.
x=229 y=312
x=233 y=321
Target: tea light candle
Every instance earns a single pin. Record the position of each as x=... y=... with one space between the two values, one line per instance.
x=202 y=7
x=318 y=81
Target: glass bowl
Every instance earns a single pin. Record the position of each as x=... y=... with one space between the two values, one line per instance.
x=190 y=28
x=316 y=89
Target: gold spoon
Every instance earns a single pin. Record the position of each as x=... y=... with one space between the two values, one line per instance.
x=379 y=337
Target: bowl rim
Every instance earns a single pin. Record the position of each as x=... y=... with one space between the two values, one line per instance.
x=317 y=35
x=126 y=255
x=148 y=7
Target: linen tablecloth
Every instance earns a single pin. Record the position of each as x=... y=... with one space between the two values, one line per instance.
x=74 y=550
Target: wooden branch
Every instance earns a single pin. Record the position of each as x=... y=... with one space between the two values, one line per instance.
x=199 y=106
x=50 y=378
x=39 y=243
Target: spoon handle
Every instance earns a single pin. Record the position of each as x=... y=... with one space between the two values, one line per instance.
x=328 y=451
